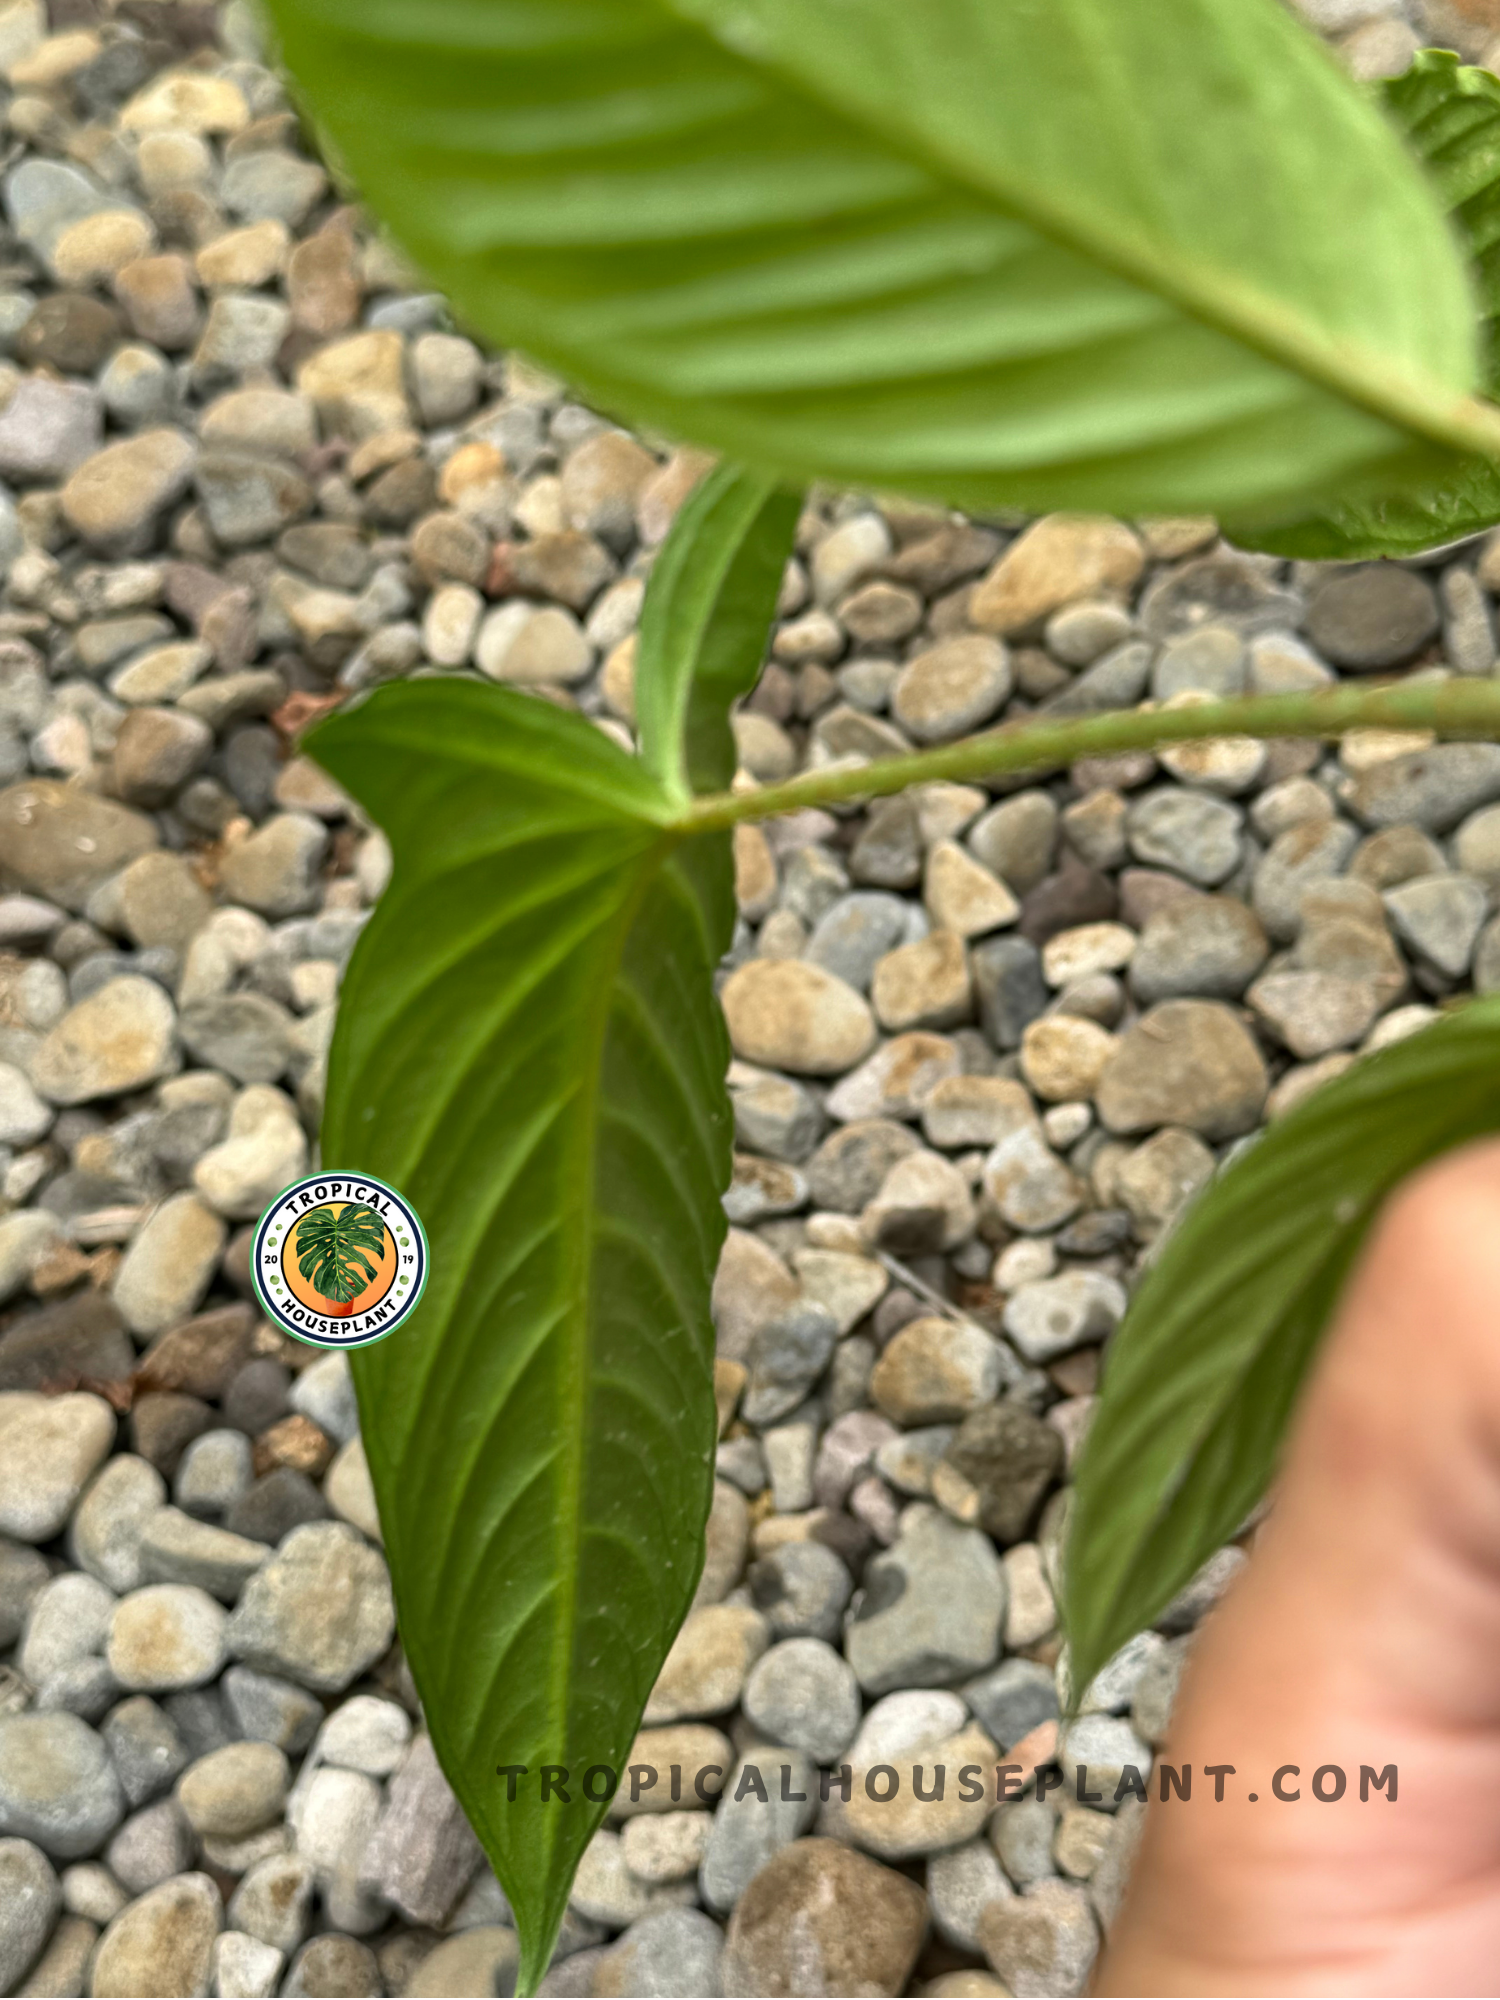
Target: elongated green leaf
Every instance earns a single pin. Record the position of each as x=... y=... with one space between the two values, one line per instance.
x=1085 y=253
x=529 y=1049
x=705 y=624
x=1202 y=1377
x=1451 y=116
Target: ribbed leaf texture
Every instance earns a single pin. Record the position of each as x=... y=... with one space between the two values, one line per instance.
x=1451 y=117
x=1081 y=254
x=1201 y=1380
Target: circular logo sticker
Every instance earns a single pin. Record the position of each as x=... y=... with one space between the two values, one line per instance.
x=339 y=1260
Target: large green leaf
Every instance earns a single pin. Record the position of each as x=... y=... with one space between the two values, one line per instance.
x=1085 y=253
x=530 y=1050
x=1451 y=116
x=1201 y=1379
x=705 y=624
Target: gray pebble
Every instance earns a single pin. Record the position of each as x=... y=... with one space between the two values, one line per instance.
x=669 y=1955
x=176 y=1548
x=325 y=1393
x=1193 y=833
x=23 y=1573
x=1439 y=917
x=270 y=1710
x=1013 y=1699
x=803 y=1695
x=146 y=1749
x=787 y=1356
x=57 y=1784
x=29 y=1900
x=961 y=1885
x=749 y=1828
x=932 y=1607
x=1021 y=1835
x=213 y=1473
x=319 y=1612
x=855 y=932
x=152 y=1846
x=802 y=1588
x=1206 y=946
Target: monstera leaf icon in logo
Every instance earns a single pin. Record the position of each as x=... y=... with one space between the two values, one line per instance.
x=339 y=1260
x=334 y=1247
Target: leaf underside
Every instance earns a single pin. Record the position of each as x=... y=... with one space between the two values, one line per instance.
x=1200 y=1382
x=1450 y=115
x=529 y=1049
x=1076 y=255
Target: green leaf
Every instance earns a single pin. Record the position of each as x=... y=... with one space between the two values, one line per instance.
x=1201 y=1379
x=705 y=624
x=1007 y=254
x=1451 y=117
x=529 y=1049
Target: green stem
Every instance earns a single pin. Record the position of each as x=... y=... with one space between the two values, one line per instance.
x=1451 y=708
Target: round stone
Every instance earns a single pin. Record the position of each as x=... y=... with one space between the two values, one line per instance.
x=121 y=1038
x=952 y=688
x=935 y=1371
x=29 y=1900
x=704 y=1674
x=1374 y=617
x=235 y=1790
x=161 y=1943
x=1191 y=1063
x=165 y=1637
x=821 y=1918
x=803 y=1695
x=1209 y=947
x=168 y=1266
x=113 y=499
x=49 y=1445
x=319 y=1612
x=57 y=1784
x=789 y=1015
x=1064 y=1056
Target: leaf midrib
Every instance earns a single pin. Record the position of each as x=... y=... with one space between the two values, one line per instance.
x=1351 y=374
x=573 y=1348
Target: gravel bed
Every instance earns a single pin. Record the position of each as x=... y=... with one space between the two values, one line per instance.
x=988 y=1042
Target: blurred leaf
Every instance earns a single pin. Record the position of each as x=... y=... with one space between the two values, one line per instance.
x=1201 y=1379
x=1086 y=254
x=1451 y=116
x=530 y=1050
x=705 y=624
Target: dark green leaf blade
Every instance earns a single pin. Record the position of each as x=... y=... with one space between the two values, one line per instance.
x=705 y=623
x=985 y=250
x=1201 y=1379
x=1450 y=115
x=530 y=1050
